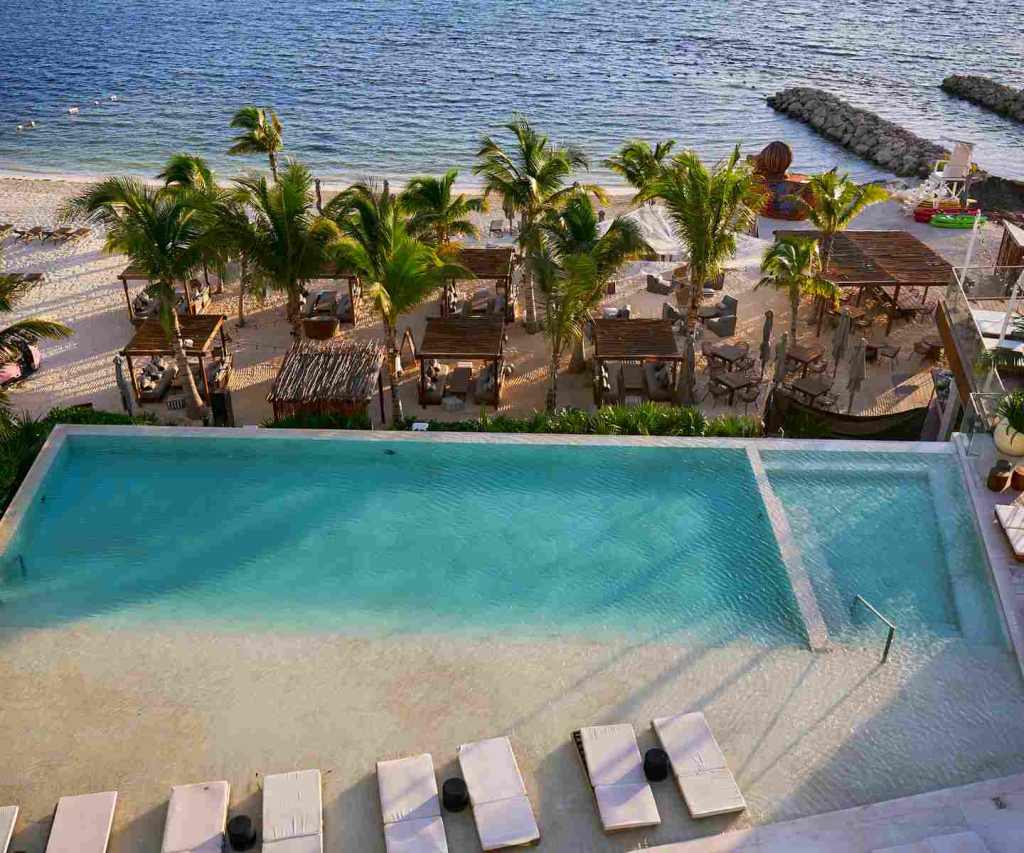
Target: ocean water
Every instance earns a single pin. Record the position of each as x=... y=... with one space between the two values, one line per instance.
x=383 y=538
x=398 y=87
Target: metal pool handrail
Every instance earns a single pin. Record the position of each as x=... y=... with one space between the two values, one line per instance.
x=888 y=623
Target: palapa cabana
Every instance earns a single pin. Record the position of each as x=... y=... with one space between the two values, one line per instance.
x=489 y=264
x=331 y=272
x=134 y=273
x=328 y=377
x=633 y=340
x=463 y=339
x=202 y=330
x=883 y=261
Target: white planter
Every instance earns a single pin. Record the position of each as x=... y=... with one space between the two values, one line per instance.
x=1008 y=441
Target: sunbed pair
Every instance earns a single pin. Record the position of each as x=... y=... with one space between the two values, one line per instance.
x=412 y=811
x=611 y=758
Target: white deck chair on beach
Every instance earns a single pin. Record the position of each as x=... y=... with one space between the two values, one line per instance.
x=700 y=768
x=8 y=817
x=612 y=760
x=501 y=809
x=293 y=819
x=82 y=824
x=952 y=173
x=410 y=806
x=196 y=817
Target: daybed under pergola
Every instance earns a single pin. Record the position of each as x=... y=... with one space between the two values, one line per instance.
x=489 y=264
x=202 y=330
x=331 y=272
x=633 y=340
x=134 y=273
x=328 y=377
x=463 y=339
x=886 y=261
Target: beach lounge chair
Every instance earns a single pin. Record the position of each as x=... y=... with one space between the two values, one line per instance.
x=612 y=762
x=700 y=768
x=82 y=824
x=196 y=817
x=953 y=172
x=8 y=817
x=293 y=813
x=410 y=806
x=1011 y=519
x=29 y=234
x=501 y=809
x=660 y=381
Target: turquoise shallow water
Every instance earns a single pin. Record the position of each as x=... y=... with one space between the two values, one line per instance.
x=377 y=538
x=404 y=86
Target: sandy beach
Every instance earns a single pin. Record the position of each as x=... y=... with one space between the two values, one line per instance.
x=81 y=289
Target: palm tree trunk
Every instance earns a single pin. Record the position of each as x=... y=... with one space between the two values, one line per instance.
x=530 y=301
x=392 y=345
x=294 y=313
x=194 y=407
x=273 y=164
x=794 y=307
x=697 y=279
x=551 y=400
x=243 y=282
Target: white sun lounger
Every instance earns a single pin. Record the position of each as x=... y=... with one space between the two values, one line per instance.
x=293 y=813
x=613 y=763
x=700 y=768
x=501 y=809
x=410 y=806
x=82 y=824
x=1011 y=519
x=8 y=814
x=196 y=817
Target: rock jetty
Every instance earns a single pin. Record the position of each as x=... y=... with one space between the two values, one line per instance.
x=987 y=93
x=870 y=136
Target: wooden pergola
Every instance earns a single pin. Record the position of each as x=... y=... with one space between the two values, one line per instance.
x=331 y=272
x=134 y=273
x=882 y=260
x=494 y=264
x=328 y=377
x=634 y=340
x=202 y=330
x=462 y=339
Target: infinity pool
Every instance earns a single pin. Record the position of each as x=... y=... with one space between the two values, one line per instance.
x=381 y=537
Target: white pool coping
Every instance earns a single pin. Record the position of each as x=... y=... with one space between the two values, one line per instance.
x=813 y=622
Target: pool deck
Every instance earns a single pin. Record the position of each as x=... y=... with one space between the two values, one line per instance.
x=91 y=707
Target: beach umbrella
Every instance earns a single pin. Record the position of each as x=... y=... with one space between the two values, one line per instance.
x=766 y=340
x=840 y=340
x=124 y=384
x=780 y=358
x=858 y=370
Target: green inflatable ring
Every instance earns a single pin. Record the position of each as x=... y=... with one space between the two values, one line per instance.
x=955 y=220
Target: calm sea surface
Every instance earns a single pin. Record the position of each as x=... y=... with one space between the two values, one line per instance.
x=401 y=86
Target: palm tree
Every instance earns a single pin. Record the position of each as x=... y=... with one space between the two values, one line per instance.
x=286 y=242
x=709 y=207
x=400 y=269
x=261 y=134
x=794 y=265
x=14 y=288
x=531 y=178
x=573 y=262
x=638 y=162
x=836 y=200
x=436 y=215
x=160 y=230
x=232 y=232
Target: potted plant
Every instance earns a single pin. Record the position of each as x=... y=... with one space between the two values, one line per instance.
x=1009 y=428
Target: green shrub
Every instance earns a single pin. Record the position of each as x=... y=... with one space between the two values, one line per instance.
x=645 y=419
x=326 y=421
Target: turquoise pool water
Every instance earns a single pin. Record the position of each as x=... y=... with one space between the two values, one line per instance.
x=377 y=538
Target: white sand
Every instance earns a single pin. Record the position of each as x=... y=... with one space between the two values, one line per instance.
x=81 y=290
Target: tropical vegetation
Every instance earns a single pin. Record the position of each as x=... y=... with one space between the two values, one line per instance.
x=639 y=163
x=835 y=201
x=260 y=133
x=436 y=214
x=793 y=265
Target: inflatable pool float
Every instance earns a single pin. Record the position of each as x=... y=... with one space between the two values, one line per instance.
x=955 y=220
x=925 y=212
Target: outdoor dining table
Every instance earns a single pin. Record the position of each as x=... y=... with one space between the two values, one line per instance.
x=803 y=356
x=812 y=387
x=734 y=382
x=728 y=354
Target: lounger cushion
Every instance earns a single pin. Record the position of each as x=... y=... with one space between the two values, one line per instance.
x=292 y=808
x=505 y=823
x=490 y=770
x=424 y=835
x=196 y=816
x=408 y=789
x=8 y=815
x=613 y=758
x=82 y=824
x=626 y=806
x=1011 y=519
x=699 y=765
